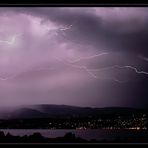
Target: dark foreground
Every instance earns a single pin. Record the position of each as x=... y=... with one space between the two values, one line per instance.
x=68 y=138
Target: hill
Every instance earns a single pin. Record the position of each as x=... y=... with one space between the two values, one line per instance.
x=65 y=111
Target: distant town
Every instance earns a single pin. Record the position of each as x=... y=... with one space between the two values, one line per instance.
x=134 y=122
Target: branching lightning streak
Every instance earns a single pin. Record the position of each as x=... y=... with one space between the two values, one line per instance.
x=16 y=75
x=70 y=63
x=131 y=67
x=89 y=57
x=11 y=41
x=62 y=30
x=89 y=71
x=66 y=28
x=126 y=66
x=144 y=58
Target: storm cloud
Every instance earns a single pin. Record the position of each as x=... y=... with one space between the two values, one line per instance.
x=79 y=56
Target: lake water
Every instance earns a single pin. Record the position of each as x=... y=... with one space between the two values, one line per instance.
x=98 y=134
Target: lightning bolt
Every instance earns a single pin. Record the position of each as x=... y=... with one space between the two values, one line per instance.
x=89 y=57
x=13 y=39
x=18 y=74
x=126 y=66
x=65 y=28
x=61 y=30
x=89 y=71
x=143 y=58
x=134 y=68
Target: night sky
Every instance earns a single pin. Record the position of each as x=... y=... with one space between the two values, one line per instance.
x=93 y=56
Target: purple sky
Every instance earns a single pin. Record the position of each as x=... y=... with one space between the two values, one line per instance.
x=74 y=56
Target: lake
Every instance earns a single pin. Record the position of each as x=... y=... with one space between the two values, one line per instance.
x=98 y=134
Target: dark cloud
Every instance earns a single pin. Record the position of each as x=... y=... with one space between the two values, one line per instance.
x=91 y=28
